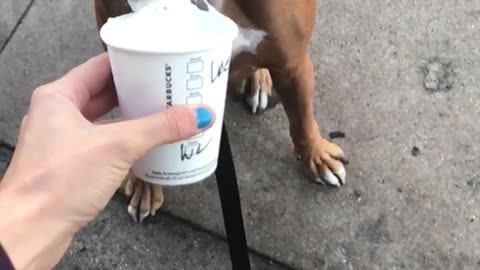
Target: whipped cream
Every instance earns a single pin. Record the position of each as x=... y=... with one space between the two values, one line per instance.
x=168 y=26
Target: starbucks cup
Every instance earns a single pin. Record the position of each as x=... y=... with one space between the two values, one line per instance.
x=157 y=63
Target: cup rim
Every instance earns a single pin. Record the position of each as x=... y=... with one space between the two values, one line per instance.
x=209 y=43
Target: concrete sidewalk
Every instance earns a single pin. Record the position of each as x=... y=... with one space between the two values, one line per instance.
x=400 y=78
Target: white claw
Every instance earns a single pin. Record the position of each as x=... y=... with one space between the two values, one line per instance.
x=155 y=207
x=342 y=175
x=320 y=181
x=330 y=178
x=258 y=101
x=133 y=213
x=253 y=101
x=263 y=100
x=143 y=216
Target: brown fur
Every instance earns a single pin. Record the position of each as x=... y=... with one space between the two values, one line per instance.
x=283 y=53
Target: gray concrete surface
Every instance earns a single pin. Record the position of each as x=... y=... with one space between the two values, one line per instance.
x=11 y=13
x=114 y=242
x=397 y=211
x=393 y=75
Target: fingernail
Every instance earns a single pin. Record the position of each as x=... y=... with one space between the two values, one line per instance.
x=204 y=118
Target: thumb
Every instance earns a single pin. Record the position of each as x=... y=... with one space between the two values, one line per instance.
x=170 y=125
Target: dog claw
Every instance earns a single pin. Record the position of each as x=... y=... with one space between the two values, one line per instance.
x=322 y=159
x=155 y=208
x=144 y=198
x=145 y=202
x=341 y=175
x=331 y=179
x=343 y=160
x=143 y=216
x=132 y=212
x=260 y=91
x=157 y=199
x=135 y=200
x=258 y=102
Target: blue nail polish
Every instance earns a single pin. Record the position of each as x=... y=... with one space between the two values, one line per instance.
x=204 y=118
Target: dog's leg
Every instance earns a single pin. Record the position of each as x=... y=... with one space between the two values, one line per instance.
x=259 y=94
x=324 y=160
x=145 y=198
x=251 y=84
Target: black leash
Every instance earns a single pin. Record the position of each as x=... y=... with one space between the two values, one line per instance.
x=231 y=206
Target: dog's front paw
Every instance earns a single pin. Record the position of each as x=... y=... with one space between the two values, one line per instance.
x=324 y=161
x=145 y=198
x=260 y=91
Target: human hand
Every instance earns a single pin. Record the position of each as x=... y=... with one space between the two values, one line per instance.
x=68 y=168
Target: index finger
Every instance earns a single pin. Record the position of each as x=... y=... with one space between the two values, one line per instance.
x=87 y=80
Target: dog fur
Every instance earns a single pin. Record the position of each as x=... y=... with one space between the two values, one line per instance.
x=271 y=54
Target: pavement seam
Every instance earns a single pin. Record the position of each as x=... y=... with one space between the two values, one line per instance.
x=219 y=236
x=17 y=25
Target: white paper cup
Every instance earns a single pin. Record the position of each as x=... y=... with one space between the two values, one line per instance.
x=148 y=81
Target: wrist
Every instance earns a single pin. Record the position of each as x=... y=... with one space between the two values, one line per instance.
x=31 y=236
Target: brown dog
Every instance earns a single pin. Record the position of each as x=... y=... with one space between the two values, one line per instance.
x=271 y=51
